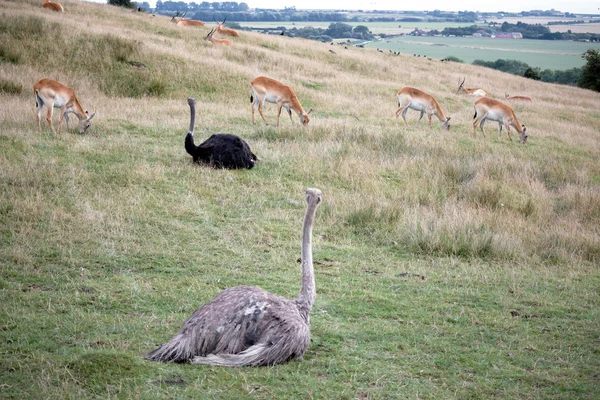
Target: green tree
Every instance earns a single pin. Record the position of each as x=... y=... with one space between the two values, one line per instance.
x=532 y=74
x=590 y=72
x=339 y=30
x=362 y=32
x=122 y=3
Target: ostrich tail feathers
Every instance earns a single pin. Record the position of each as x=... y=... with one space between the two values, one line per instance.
x=253 y=356
x=190 y=147
x=260 y=354
x=176 y=350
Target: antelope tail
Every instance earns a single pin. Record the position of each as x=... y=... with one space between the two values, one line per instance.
x=475 y=116
x=251 y=98
x=38 y=100
x=190 y=147
x=176 y=350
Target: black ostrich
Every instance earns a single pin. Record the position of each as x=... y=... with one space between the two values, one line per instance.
x=221 y=150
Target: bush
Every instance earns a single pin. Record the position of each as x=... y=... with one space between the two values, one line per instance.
x=532 y=74
x=590 y=73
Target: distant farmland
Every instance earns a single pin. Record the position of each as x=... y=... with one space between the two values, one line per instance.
x=559 y=54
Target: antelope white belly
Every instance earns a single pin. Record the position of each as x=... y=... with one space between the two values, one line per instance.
x=417 y=105
x=270 y=98
x=59 y=102
x=494 y=116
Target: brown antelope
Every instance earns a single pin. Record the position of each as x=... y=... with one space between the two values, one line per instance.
x=53 y=94
x=266 y=89
x=509 y=97
x=177 y=19
x=225 y=31
x=53 y=6
x=211 y=39
x=470 y=91
x=494 y=110
x=409 y=97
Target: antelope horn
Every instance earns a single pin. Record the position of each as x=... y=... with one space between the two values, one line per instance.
x=224 y=20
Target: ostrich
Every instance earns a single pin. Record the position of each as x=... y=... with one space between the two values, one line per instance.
x=246 y=325
x=221 y=150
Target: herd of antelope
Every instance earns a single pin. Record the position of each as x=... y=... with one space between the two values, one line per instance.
x=486 y=108
x=53 y=94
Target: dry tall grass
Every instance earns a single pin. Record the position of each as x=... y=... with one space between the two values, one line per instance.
x=425 y=188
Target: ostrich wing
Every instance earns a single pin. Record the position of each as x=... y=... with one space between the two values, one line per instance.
x=227 y=151
x=257 y=326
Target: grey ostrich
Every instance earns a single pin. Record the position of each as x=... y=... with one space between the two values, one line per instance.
x=246 y=325
x=221 y=150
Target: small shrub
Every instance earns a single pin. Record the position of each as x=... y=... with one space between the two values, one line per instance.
x=454 y=59
x=10 y=87
x=459 y=173
x=483 y=194
x=369 y=221
x=528 y=208
x=9 y=55
x=157 y=88
x=431 y=238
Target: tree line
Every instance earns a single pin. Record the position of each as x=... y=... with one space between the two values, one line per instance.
x=529 y=31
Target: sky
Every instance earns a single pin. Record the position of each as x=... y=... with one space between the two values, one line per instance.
x=577 y=6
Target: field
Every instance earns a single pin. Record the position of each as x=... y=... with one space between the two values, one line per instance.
x=448 y=265
x=560 y=54
x=556 y=55
x=389 y=28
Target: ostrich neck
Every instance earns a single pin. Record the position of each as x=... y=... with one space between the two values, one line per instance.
x=308 y=291
x=192 y=118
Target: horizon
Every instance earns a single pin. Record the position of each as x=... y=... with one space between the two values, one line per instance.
x=576 y=7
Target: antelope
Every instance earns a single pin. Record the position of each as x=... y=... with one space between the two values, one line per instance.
x=266 y=89
x=210 y=38
x=177 y=19
x=53 y=94
x=225 y=31
x=52 y=6
x=494 y=110
x=470 y=91
x=509 y=97
x=418 y=100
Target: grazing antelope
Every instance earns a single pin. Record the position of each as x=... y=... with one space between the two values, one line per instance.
x=509 y=97
x=225 y=31
x=210 y=38
x=177 y=19
x=266 y=89
x=494 y=110
x=418 y=100
x=470 y=91
x=53 y=94
x=53 y=6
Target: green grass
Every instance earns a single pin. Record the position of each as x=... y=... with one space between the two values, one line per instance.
x=447 y=266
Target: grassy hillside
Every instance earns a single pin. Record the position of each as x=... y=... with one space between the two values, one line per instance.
x=447 y=266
